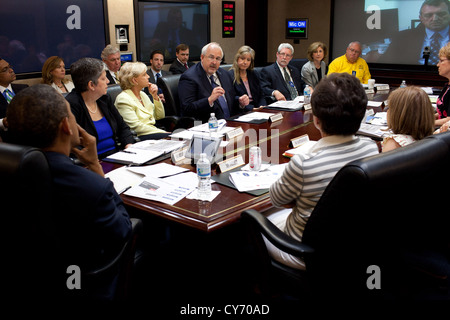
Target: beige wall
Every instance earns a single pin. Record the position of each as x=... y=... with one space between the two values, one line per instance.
x=319 y=14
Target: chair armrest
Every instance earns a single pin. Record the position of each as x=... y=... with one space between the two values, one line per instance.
x=277 y=237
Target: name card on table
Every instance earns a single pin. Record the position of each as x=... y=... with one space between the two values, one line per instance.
x=276 y=117
x=234 y=133
x=299 y=141
x=179 y=155
x=381 y=87
x=370 y=91
x=307 y=106
x=231 y=163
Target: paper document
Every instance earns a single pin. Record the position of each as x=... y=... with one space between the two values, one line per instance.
x=253 y=180
x=123 y=179
x=305 y=148
x=372 y=130
x=134 y=155
x=254 y=116
x=379 y=119
x=158 y=170
x=157 y=189
x=163 y=145
x=290 y=104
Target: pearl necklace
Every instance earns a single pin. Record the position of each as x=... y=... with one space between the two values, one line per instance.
x=96 y=108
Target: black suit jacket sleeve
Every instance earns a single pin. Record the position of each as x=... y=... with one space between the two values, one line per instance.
x=121 y=131
x=255 y=89
x=272 y=79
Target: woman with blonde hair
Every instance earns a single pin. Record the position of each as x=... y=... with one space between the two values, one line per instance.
x=54 y=73
x=315 y=69
x=245 y=80
x=443 y=101
x=410 y=117
x=135 y=106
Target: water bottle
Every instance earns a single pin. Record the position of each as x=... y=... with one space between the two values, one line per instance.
x=307 y=95
x=204 y=177
x=403 y=85
x=212 y=123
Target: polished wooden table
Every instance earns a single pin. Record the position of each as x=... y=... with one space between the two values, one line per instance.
x=226 y=208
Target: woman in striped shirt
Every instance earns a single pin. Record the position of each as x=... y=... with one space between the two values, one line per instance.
x=338 y=105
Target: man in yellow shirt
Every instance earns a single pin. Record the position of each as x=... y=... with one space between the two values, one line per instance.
x=351 y=63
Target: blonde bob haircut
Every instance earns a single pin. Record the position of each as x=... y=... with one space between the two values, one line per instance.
x=129 y=71
x=244 y=50
x=410 y=112
x=313 y=48
x=445 y=51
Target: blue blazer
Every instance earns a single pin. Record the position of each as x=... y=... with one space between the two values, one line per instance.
x=255 y=88
x=272 y=79
x=194 y=88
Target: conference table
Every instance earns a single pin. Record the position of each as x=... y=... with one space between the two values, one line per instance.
x=272 y=137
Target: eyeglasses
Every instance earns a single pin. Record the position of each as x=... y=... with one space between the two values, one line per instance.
x=6 y=69
x=287 y=55
x=442 y=60
x=218 y=59
x=354 y=50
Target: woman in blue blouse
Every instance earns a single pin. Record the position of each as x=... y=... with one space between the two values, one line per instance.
x=94 y=109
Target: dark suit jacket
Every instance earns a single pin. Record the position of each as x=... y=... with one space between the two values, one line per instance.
x=152 y=79
x=94 y=223
x=406 y=47
x=194 y=88
x=272 y=79
x=121 y=131
x=177 y=68
x=110 y=78
x=255 y=88
x=4 y=104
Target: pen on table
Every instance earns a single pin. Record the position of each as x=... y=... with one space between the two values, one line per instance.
x=128 y=152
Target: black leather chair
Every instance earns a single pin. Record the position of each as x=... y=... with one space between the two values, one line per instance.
x=387 y=211
x=169 y=86
x=31 y=269
x=113 y=91
x=298 y=63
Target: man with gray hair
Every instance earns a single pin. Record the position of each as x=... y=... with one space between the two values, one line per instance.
x=280 y=80
x=351 y=63
x=206 y=88
x=111 y=57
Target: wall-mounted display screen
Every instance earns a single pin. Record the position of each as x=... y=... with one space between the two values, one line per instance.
x=391 y=31
x=162 y=25
x=296 y=28
x=32 y=31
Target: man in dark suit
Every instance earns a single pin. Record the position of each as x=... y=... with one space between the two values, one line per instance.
x=280 y=80
x=433 y=33
x=155 y=71
x=89 y=218
x=206 y=89
x=181 y=63
x=8 y=90
x=111 y=57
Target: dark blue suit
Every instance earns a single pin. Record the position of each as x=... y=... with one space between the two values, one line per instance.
x=194 y=89
x=4 y=104
x=272 y=79
x=255 y=88
x=90 y=219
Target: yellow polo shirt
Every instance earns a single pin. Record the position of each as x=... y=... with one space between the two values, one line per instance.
x=360 y=69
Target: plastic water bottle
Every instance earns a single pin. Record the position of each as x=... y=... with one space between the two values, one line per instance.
x=212 y=123
x=307 y=95
x=204 y=177
x=403 y=84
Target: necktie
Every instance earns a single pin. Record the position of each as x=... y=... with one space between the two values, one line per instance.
x=222 y=101
x=116 y=76
x=8 y=94
x=435 y=46
x=186 y=66
x=290 y=84
x=158 y=75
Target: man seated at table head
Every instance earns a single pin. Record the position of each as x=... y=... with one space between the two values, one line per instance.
x=280 y=80
x=351 y=63
x=339 y=104
x=90 y=219
x=206 y=88
x=181 y=63
x=111 y=57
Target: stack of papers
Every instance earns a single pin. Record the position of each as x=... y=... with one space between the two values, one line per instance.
x=202 y=130
x=133 y=156
x=287 y=105
x=302 y=149
x=254 y=116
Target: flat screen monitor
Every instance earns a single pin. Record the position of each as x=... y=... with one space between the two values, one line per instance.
x=32 y=31
x=391 y=32
x=162 y=25
x=297 y=28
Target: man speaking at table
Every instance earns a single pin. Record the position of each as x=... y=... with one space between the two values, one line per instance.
x=205 y=88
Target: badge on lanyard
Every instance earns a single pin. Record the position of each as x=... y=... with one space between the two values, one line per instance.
x=354 y=73
x=291 y=84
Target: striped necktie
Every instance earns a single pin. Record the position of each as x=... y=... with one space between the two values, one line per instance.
x=222 y=102
x=435 y=47
x=8 y=94
x=290 y=84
